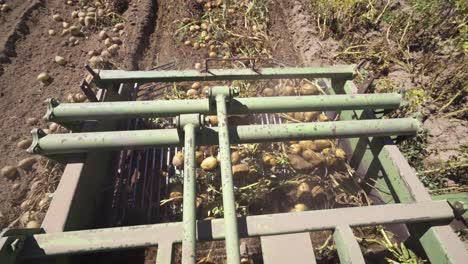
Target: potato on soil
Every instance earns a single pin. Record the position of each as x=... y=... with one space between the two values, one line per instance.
x=53 y=127
x=178 y=160
x=75 y=31
x=340 y=153
x=27 y=163
x=209 y=164
x=268 y=92
x=213 y=120
x=9 y=172
x=192 y=93
x=24 y=205
x=60 y=60
x=310 y=116
x=57 y=18
x=32 y=121
x=79 y=98
x=51 y=32
x=323 y=118
x=196 y=85
x=43 y=77
x=321 y=144
x=103 y=35
x=312 y=157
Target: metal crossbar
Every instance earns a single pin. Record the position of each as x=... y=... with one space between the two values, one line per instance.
x=192 y=131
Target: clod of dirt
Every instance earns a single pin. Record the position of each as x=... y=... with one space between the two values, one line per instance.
x=57 y=18
x=32 y=121
x=24 y=144
x=33 y=224
x=43 y=77
x=27 y=163
x=178 y=160
x=60 y=60
x=9 y=172
x=209 y=164
x=240 y=169
x=309 y=89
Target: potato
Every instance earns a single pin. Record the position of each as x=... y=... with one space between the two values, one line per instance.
x=302 y=188
x=108 y=42
x=197 y=66
x=299 y=116
x=105 y=54
x=53 y=127
x=296 y=148
x=269 y=160
x=57 y=18
x=287 y=91
x=312 y=157
x=192 y=93
x=310 y=116
x=321 y=144
x=81 y=14
x=33 y=224
x=196 y=85
x=25 y=204
x=43 y=202
x=188 y=43
x=196 y=45
x=307 y=144
x=103 y=35
x=60 y=60
x=178 y=160
x=300 y=207
x=209 y=163
x=213 y=54
x=43 y=77
x=268 y=92
x=240 y=169
x=27 y=163
x=9 y=172
x=204 y=26
x=199 y=157
x=89 y=21
x=65 y=25
x=15 y=186
x=79 y=98
x=340 y=154
x=51 y=32
x=213 y=120
x=96 y=62
x=323 y=118
x=75 y=31
x=235 y=157
x=70 y=98
x=74 y=14
x=32 y=121
x=119 y=26
x=117 y=41
x=309 y=89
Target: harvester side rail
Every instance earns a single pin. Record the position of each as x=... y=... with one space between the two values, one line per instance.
x=65 y=112
x=108 y=239
x=141 y=77
x=114 y=140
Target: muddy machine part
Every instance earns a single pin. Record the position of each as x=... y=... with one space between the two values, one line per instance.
x=365 y=138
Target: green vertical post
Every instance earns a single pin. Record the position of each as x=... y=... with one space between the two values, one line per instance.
x=348 y=248
x=230 y=216
x=189 y=206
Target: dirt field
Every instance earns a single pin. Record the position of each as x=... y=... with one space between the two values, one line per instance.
x=27 y=49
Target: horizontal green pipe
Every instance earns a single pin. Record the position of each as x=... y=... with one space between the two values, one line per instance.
x=84 y=142
x=121 y=76
x=63 y=112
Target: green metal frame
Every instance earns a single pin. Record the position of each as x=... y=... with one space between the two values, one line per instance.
x=427 y=219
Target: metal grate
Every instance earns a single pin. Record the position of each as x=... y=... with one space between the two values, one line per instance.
x=427 y=219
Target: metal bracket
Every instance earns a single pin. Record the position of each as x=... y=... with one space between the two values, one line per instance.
x=225 y=91
x=196 y=120
x=12 y=241
x=51 y=104
x=36 y=134
x=84 y=85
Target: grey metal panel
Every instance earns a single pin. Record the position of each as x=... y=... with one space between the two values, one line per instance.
x=283 y=249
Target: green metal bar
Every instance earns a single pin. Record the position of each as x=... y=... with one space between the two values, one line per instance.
x=229 y=205
x=63 y=112
x=115 y=140
x=108 y=239
x=189 y=216
x=440 y=243
x=348 y=248
x=121 y=76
